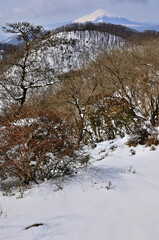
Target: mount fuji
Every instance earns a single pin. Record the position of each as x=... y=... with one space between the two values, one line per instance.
x=104 y=16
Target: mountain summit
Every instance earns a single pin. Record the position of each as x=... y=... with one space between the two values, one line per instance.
x=98 y=14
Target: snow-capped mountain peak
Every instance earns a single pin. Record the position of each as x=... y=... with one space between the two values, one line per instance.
x=95 y=15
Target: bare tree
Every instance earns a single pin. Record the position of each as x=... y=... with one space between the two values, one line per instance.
x=132 y=71
x=74 y=94
x=24 y=70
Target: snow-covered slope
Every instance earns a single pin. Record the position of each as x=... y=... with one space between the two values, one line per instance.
x=115 y=198
x=74 y=49
x=66 y=51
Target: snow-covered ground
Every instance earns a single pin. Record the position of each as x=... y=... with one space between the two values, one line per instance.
x=115 y=198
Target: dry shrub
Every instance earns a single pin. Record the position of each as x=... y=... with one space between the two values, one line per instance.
x=36 y=149
x=110 y=116
x=132 y=142
x=139 y=136
x=153 y=140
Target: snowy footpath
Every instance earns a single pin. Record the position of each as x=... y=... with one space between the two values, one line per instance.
x=115 y=198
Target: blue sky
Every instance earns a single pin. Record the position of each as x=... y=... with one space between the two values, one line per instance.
x=53 y=11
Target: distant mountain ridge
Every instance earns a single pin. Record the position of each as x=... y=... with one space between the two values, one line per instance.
x=98 y=16
x=104 y=16
x=11 y=40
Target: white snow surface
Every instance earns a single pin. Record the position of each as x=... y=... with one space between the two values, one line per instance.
x=93 y=16
x=115 y=198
